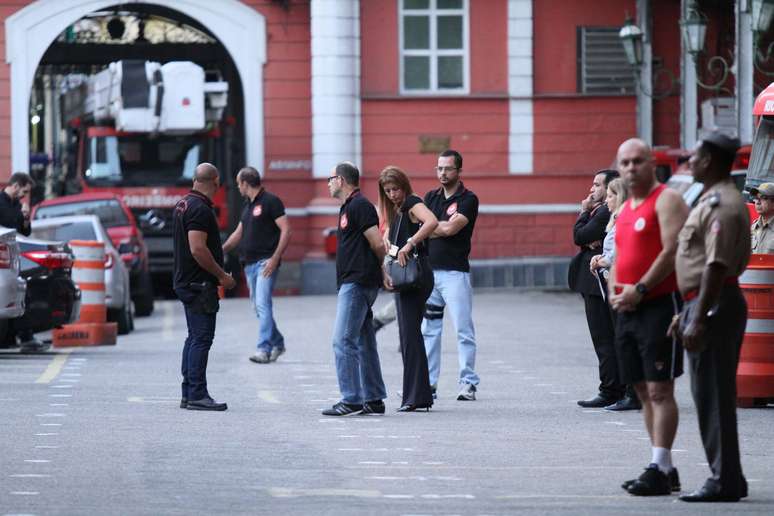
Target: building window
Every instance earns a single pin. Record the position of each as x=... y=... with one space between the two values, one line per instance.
x=602 y=65
x=433 y=46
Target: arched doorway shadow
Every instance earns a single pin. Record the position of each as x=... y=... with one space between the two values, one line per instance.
x=238 y=27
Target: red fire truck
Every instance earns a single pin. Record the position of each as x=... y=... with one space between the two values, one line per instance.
x=138 y=129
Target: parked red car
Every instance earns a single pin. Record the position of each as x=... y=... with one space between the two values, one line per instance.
x=121 y=225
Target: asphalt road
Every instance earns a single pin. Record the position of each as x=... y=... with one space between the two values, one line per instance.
x=99 y=431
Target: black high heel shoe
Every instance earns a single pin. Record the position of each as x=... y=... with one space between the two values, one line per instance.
x=414 y=408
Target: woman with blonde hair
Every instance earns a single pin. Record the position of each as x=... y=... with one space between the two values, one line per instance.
x=617 y=194
x=408 y=223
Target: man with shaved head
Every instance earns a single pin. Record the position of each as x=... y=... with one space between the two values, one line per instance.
x=197 y=274
x=643 y=290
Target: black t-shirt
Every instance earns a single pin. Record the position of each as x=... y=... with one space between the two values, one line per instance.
x=260 y=233
x=194 y=212
x=451 y=253
x=11 y=214
x=402 y=227
x=355 y=260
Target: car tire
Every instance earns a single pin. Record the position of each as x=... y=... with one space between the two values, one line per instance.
x=143 y=302
x=122 y=316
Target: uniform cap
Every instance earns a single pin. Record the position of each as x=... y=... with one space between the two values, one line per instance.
x=723 y=142
x=766 y=189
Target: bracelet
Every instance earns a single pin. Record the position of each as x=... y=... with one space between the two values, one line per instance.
x=411 y=241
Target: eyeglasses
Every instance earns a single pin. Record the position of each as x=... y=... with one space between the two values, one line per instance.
x=332 y=178
x=445 y=169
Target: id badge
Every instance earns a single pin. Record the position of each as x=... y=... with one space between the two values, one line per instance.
x=394 y=251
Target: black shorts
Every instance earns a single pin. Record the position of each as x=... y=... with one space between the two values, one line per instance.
x=645 y=352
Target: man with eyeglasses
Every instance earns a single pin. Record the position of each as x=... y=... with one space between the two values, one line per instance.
x=456 y=209
x=762 y=230
x=359 y=255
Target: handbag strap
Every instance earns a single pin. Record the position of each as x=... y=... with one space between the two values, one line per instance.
x=396 y=229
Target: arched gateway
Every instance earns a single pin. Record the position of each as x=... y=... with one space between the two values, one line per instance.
x=240 y=28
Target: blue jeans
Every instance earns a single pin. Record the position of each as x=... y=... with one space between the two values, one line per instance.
x=260 y=294
x=453 y=290
x=201 y=331
x=354 y=345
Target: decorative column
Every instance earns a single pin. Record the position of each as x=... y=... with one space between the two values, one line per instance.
x=520 y=90
x=645 y=102
x=744 y=72
x=335 y=84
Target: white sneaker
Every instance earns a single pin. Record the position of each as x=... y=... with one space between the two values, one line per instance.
x=467 y=393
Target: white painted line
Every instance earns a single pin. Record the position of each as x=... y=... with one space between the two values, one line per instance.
x=350 y=449
x=398 y=496
x=317 y=401
x=61 y=386
x=438 y=497
x=79 y=359
x=432 y=463
x=51 y=414
x=378 y=462
x=619 y=423
x=644 y=438
x=72 y=374
x=497 y=361
x=675 y=450
x=9 y=399
x=25 y=493
x=46 y=447
x=29 y=475
x=48 y=433
x=37 y=461
x=51 y=424
x=58 y=404
x=544 y=384
x=70 y=380
x=632 y=430
x=348 y=436
x=330 y=421
x=401 y=462
x=557 y=392
x=530 y=378
x=60 y=395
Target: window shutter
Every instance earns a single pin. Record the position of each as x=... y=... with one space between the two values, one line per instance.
x=603 y=68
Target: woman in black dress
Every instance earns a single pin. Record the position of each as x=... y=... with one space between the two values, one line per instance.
x=409 y=223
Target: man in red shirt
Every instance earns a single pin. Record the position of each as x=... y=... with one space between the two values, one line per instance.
x=643 y=290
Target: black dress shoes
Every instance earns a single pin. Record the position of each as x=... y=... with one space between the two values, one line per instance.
x=597 y=402
x=414 y=408
x=706 y=494
x=206 y=404
x=625 y=403
x=183 y=402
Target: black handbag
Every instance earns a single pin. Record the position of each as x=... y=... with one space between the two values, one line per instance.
x=408 y=277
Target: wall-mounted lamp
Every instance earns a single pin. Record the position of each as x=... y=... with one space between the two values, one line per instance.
x=762 y=16
x=631 y=38
x=694 y=29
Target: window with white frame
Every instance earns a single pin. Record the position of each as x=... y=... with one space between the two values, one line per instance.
x=433 y=46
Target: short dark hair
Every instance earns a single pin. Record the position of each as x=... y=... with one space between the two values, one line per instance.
x=721 y=158
x=250 y=176
x=457 y=157
x=22 y=179
x=609 y=174
x=349 y=172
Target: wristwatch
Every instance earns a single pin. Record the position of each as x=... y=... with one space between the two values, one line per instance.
x=641 y=289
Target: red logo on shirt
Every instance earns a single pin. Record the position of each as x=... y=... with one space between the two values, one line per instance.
x=452 y=209
x=257 y=210
x=343 y=222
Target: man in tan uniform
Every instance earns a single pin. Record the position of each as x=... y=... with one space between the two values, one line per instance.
x=763 y=228
x=713 y=250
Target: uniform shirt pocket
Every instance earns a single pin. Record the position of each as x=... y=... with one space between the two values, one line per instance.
x=686 y=240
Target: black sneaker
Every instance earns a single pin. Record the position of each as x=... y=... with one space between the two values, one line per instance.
x=434 y=390
x=653 y=482
x=674 y=481
x=343 y=409
x=373 y=408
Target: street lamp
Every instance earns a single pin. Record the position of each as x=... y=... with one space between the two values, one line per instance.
x=762 y=14
x=694 y=29
x=631 y=38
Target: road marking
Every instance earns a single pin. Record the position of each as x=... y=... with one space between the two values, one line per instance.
x=61 y=386
x=69 y=380
x=46 y=447
x=54 y=367
x=51 y=424
x=432 y=463
x=37 y=461
x=554 y=495
x=619 y=423
x=438 y=497
x=60 y=395
x=29 y=475
x=347 y=436
x=72 y=374
x=285 y=492
x=371 y=462
x=50 y=414
x=25 y=493
x=151 y=399
x=351 y=449
x=398 y=496
x=48 y=433
x=268 y=397
x=557 y=392
x=58 y=404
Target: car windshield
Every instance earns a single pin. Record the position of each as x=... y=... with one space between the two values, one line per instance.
x=108 y=211
x=761 y=169
x=139 y=160
x=66 y=232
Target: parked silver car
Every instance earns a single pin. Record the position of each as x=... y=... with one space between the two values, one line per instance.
x=88 y=227
x=13 y=288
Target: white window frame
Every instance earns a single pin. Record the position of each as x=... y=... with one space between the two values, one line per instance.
x=433 y=53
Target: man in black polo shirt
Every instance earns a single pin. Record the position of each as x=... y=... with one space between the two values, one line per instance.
x=359 y=255
x=266 y=233
x=198 y=272
x=14 y=214
x=456 y=208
